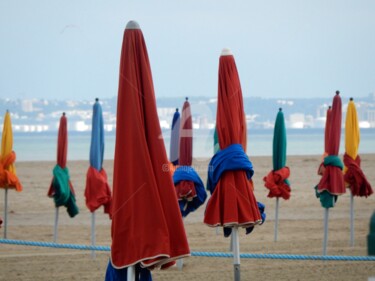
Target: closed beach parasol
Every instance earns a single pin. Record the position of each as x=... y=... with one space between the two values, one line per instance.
x=332 y=182
x=232 y=203
x=61 y=189
x=189 y=186
x=147 y=227
x=277 y=180
x=175 y=139
x=8 y=177
x=354 y=177
x=97 y=192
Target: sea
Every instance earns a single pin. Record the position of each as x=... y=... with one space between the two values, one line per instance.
x=43 y=146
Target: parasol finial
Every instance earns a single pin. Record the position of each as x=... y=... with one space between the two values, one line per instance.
x=97 y=99
x=7 y=110
x=187 y=98
x=280 y=109
x=63 y=113
x=132 y=25
x=351 y=99
x=226 y=52
x=337 y=92
x=176 y=109
x=329 y=107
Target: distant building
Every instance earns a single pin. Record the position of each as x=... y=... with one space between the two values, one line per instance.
x=27 y=105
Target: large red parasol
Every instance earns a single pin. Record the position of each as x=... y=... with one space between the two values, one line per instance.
x=332 y=179
x=61 y=189
x=147 y=227
x=233 y=201
x=332 y=182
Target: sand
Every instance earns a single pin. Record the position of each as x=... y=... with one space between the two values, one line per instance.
x=31 y=217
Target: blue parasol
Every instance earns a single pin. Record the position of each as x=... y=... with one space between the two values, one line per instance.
x=175 y=139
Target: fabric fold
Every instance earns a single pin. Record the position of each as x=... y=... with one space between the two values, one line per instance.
x=62 y=190
x=97 y=192
x=355 y=177
x=277 y=183
x=194 y=189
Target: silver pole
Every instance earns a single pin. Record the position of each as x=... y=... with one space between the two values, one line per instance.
x=326 y=213
x=351 y=220
x=6 y=214
x=93 y=240
x=276 y=218
x=56 y=225
x=131 y=273
x=236 y=254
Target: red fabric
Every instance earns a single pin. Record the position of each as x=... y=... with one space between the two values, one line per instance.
x=274 y=181
x=186 y=190
x=147 y=225
x=62 y=142
x=97 y=190
x=355 y=177
x=62 y=151
x=327 y=129
x=186 y=137
x=332 y=179
x=7 y=178
x=1 y=222
x=233 y=201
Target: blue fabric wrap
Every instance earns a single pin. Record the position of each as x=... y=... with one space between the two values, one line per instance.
x=97 y=138
x=187 y=173
x=232 y=158
x=113 y=274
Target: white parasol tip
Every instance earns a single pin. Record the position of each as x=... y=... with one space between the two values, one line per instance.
x=226 y=52
x=132 y=25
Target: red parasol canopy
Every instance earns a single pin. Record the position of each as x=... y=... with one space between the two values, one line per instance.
x=147 y=226
x=327 y=128
x=233 y=201
x=332 y=179
x=62 y=151
x=186 y=136
x=186 y=189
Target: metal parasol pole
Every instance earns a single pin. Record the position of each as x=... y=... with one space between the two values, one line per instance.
x=93 y=255
x=236 y=254
x=276 y=218
x=6 y=213
x=56 y=224
x=351 y=220
x=180 y=262
x=326 y=213
x=131 y=273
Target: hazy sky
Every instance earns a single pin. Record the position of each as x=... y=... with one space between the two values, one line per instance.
x=71 y=49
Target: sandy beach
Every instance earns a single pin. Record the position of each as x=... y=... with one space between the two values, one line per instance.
x=31 y=217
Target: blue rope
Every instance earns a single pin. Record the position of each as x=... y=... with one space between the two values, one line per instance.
x=55 y=245
x=195 y=254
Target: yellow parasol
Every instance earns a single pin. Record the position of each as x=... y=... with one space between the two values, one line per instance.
x=352 y=134
x=8 y=177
